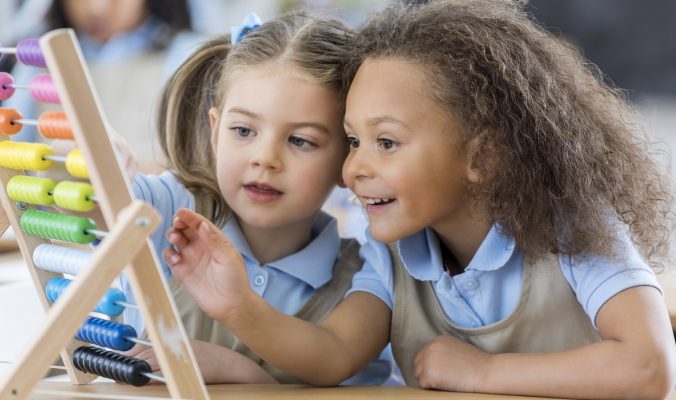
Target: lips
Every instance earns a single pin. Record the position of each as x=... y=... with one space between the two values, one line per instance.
x=262 y=192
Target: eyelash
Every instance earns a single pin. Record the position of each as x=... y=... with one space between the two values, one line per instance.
x=299 y=142
x=352 y=142
x=391 y=143
x=382 y=143
x=294 y=139
x=239 y=129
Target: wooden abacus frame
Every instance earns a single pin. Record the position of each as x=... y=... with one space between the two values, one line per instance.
x=130 y=223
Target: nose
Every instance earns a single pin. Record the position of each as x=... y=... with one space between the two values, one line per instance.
x=357 y=167
x=267 y=155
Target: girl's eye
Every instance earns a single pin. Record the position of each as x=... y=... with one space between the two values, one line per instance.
x=242 y=132
x=302 y=143
x=387 y=144
x=353 y=142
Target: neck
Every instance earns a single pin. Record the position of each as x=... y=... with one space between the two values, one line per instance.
x=462 y=235
x=270 y=244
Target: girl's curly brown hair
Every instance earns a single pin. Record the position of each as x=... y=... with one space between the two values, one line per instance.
x=561 y=148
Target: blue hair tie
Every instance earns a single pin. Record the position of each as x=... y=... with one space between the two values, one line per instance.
x=250 y=23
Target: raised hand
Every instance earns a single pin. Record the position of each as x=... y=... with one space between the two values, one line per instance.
x=207 y=265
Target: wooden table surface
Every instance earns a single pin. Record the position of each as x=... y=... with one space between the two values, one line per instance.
x=268 y=392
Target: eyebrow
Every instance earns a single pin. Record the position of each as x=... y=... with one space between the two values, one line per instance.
x=378 y=120
x=315 y=125
x=245 y=112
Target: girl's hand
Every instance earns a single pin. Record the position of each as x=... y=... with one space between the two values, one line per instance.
x=217 y=364
x=447 y=363
x=207 y=265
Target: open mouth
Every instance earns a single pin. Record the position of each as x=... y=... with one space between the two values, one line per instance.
x=375 y=204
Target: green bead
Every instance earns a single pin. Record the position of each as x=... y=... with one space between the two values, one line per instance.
x=68 y=228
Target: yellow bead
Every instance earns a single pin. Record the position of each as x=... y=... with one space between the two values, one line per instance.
x=76 y=196
x=75 y=164
x=31 y=156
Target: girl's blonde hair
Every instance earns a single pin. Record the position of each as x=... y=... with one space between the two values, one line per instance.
x=563 y=153
x=315 y=46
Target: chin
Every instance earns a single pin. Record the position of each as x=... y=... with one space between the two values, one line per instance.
x=385 y=235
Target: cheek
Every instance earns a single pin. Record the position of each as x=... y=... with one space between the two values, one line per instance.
x=320 y=178
x=228 y=169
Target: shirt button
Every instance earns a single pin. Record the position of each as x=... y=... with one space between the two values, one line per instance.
x=470 y=285
x=259 y=280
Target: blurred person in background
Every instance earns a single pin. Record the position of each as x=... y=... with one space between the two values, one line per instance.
x=131 y=47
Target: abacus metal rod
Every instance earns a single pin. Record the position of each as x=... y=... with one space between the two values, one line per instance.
x=150 y=375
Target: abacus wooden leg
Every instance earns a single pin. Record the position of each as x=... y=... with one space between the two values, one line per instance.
x=4 y=221
x=135 y=224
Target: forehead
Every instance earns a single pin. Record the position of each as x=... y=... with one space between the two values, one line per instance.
x=391 y=86
x=279 y=89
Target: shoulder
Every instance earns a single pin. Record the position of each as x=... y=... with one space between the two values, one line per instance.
x=164 y=190
x=597 y=278
x=375 y=277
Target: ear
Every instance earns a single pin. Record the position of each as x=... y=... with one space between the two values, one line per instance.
x=341 y=182
x=215 y=122
x=474 y=172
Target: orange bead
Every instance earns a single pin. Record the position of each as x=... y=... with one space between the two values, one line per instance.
x=7 y=124
x=54 y=125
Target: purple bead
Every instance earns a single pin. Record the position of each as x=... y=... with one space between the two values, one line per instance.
x=29 y=53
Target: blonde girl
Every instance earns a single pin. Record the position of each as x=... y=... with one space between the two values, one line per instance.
x=254 y=140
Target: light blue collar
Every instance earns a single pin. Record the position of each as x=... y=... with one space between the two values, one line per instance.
x=421 y=253
x=313 y=264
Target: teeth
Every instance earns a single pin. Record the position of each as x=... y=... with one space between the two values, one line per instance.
x=375 y=201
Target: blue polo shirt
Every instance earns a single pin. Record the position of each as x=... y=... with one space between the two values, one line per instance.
x=489 y=288
x=286 y=284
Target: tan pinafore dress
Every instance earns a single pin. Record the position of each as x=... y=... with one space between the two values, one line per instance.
x=201 y=327
x=547 y=318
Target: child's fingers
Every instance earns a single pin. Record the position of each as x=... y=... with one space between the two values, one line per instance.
x=188 y=218
x=171 y=256
x=178 y=223
x=217 y=244
x=177 y=239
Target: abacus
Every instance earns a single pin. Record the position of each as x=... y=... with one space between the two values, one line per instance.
x=125 y=244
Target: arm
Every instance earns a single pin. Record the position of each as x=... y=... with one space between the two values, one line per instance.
x=636 y=359
x=213 y=273
x=217 y=364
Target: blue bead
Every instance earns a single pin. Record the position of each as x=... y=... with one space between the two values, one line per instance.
x=106 y=333
x=107 y=303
